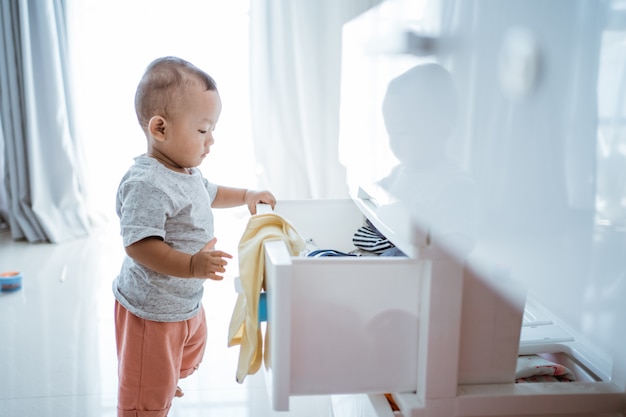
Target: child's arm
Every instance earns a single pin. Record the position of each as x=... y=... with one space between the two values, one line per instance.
x=157 y=255
x=232 y=197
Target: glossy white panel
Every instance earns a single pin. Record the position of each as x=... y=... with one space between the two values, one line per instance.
x=530 y=173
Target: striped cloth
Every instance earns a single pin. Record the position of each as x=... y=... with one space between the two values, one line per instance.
x=370 y=239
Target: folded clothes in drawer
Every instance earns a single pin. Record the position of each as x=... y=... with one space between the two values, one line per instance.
x=367 y=241
x=336 y=226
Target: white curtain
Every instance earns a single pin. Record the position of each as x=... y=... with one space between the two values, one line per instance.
x=42 y=175
x=295 y=79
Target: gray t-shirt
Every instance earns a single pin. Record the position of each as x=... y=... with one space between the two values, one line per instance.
x=154 y=201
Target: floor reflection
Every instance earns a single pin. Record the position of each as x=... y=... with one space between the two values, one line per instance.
x=57 y=350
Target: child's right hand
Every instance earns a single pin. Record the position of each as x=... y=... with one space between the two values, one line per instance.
x=208 y=262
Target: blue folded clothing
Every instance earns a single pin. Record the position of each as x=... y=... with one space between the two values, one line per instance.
x=328 y=252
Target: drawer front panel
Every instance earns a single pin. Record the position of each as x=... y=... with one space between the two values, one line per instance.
x=354 y=326
x=340 y=325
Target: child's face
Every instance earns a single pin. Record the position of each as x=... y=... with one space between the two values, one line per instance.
x=188 y=135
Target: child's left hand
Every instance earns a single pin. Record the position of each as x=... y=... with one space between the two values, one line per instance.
x=253 y=197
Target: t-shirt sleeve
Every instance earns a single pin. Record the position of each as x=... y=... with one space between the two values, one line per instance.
x=211 y=189
x=143 y=210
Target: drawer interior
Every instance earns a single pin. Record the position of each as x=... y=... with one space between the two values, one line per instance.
x=330 y=223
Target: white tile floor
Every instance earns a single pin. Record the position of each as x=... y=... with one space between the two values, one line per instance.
x=57 y=350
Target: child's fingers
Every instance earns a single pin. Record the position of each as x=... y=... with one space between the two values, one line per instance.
x=215 y=277
x=221 y=254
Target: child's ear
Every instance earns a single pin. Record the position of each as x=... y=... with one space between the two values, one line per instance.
x=156 y=127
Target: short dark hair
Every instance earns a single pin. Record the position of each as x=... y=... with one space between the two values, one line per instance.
x=160 y=85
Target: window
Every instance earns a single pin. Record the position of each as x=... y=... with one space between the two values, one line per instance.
x=111 y=43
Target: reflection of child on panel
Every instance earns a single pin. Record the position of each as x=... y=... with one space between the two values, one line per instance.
x=419 y=110
x=164 y=205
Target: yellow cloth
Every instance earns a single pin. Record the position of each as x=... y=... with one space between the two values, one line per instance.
x=244 y=327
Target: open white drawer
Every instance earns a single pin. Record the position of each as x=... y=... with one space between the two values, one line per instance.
x=338 y=324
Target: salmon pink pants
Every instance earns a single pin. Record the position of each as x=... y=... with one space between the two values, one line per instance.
x=152 y=357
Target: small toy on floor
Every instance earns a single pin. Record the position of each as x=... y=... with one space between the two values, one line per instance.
x=10 y=281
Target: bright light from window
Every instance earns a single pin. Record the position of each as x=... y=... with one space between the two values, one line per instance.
x=111 y=43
